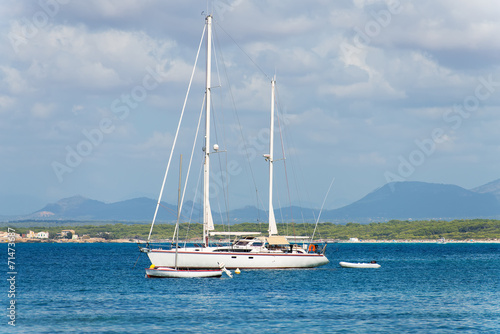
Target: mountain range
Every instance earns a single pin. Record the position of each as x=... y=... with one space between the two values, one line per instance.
x=397 y=200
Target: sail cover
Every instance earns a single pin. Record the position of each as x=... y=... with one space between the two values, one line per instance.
x=277 y=240
x=273 y=229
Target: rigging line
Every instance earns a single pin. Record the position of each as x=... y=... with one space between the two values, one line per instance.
x=303 y=222
x=192 y=153
x=200 y=172
x=216 y=44
x=293 y=162
x=286 y=172
x=220 y=168
x=245 y=144
x=176 y=134
x=194 y=146
x=246 y=54
x=194 y=199
x=322 y=205
x=265 y=210
x=294 y=166
x=226 y=197
x=282 y=219
x=220 y=164
x=168 y=209
x=220 y=212
x=227 y=200
x=173 y=213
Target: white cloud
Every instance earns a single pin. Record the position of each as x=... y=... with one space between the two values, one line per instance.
x=368 y=159
x=43 y=111
x=447 y=24
x=158 y=142
x=14 y=80
x=92 y=60
x=113 y=8
x=6 y=102
x=376 y=84
x=77 y=108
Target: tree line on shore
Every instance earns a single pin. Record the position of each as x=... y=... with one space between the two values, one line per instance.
x=394 y=229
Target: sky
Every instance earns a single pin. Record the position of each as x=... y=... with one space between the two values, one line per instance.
x=369 y=92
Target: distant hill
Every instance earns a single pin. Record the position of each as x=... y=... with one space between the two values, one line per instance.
x=142 y=209
x=419 y=200
x=398 y=200
x=492 y=187
x=81 y=208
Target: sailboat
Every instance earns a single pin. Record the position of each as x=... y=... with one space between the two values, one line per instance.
x=250 y=251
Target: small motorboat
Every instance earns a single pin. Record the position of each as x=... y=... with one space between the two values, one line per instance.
x=372 y=264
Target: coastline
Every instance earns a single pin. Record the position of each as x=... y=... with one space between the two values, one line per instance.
x=70 y=241
x=423 y=241
x=329 y=241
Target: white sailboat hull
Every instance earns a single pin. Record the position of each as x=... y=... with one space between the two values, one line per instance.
x=206 y=258
x=167 y=272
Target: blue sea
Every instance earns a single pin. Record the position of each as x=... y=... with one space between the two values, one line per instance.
x=420 y=288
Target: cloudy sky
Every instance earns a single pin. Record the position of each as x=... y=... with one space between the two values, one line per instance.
x=370 y=91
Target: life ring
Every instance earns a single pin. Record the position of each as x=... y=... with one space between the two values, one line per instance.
x=312 y=248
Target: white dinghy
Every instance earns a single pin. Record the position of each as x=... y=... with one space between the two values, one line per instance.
x=168 y=272
x=372 y=264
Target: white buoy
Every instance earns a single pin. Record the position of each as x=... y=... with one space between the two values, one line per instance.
x=237 y=271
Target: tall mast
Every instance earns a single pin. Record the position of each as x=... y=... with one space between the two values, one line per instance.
x=207 y=214
x=272 y=221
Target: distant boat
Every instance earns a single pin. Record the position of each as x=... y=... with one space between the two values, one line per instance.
x=372 y=264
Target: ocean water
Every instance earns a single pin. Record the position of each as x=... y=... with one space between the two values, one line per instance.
x=420 y=288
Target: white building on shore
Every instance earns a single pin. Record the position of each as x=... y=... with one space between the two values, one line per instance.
x=42 y=235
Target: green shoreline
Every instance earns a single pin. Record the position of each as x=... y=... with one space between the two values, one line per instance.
x=330 y=242
x=403 y=231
